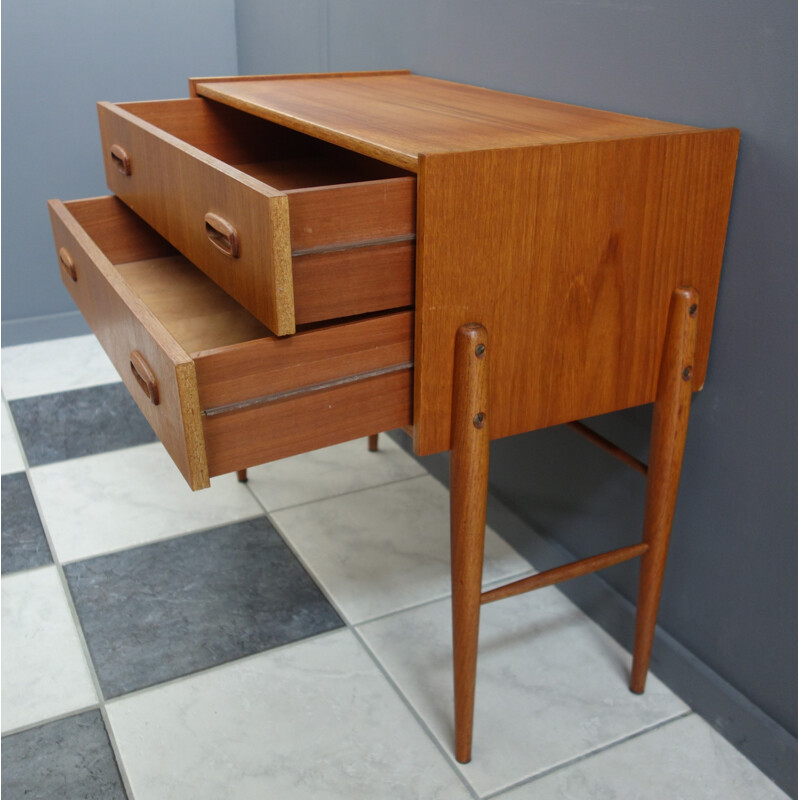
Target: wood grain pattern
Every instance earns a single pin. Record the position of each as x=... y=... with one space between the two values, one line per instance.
x=122 y=324
x=568 y=255
x=355 y=281
x=294 y=76
x=396 y=117
x=202 y=317
x=667 y=443
x=174 y=185
x=322 y=165
x=196 y=312
x=469 y=484
x=270 y=365
x=120 y=235
x=358 y=212
x=220 y=131
x=318 y=419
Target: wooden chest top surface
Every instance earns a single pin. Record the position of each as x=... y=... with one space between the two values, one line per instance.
x=398 y=116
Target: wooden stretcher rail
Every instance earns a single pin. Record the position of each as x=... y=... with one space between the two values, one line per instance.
x=609 y=447
x=564 y=573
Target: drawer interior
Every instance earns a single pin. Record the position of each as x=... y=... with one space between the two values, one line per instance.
x=199 y=315
x=285 y=159
x=196 y=312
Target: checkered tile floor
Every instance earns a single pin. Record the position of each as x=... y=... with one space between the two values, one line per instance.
x=287 y=638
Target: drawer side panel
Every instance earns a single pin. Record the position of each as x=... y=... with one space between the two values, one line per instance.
x=173 y=186
x=123 y=324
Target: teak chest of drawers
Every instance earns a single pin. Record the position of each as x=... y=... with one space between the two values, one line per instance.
x=294 y=261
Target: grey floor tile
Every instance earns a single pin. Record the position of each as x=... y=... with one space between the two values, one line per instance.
x=10 y=455
x=55 y=427
x=171 y=608
x=24 y=545
x=70 y=759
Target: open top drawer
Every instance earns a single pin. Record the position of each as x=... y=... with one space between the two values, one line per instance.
x=295 y=229
x=220 y=391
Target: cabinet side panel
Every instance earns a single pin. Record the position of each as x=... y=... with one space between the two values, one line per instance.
x=568 y=255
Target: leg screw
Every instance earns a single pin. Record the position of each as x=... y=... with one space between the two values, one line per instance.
x=478 y=420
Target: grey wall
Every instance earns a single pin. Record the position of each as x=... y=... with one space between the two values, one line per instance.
x=58 y=60
x=730 y=592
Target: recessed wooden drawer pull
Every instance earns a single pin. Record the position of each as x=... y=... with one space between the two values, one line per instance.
x=144 y=376
x=120 y=159
x=67 y=264
x=222 y=234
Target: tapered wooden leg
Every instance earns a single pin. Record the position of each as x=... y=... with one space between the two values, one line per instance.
x=667 y=441
x=241 y=474
x=469 y=476
x=372 y=445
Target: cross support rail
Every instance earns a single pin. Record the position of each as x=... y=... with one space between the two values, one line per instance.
x=564 y=573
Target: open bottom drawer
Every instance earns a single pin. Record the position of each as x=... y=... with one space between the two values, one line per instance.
x=220 y=391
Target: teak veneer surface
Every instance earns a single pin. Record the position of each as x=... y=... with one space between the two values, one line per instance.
x=569 y=255
x=396 y=117
x=191 y=306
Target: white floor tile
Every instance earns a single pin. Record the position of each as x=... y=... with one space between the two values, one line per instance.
x=314 y=720
x=386 y=548
x=330 y=471
x=44 y=669
x=124 y=498
x=551 y=685
x=11 y=455
x=683 y=760
x=58 y=365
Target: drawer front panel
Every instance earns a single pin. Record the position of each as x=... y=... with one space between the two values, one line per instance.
x=355 y=281
x=159 y=375
x=233 y=227
x=356 y=212
x=316 y=419
x=267 y=367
